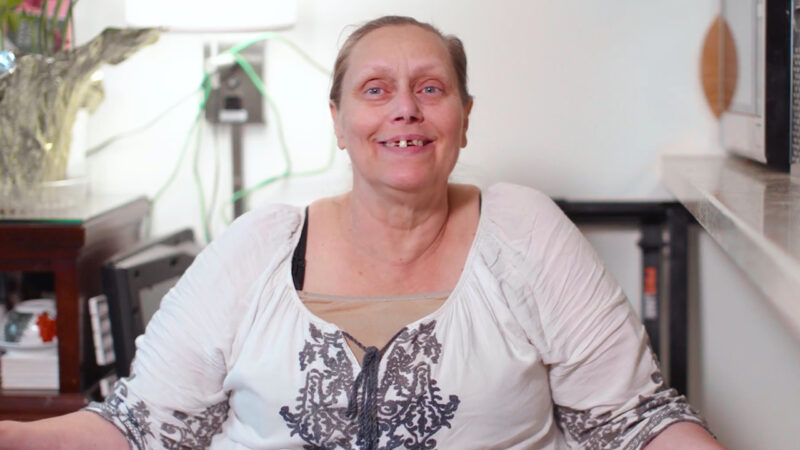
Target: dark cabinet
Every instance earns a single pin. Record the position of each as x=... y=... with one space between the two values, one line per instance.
x=72 y=249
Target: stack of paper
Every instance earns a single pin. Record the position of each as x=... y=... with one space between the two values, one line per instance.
x=29 y=369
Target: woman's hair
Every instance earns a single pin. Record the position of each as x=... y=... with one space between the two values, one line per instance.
x=454 y=47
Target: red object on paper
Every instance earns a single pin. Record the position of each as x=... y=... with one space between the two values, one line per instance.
x=47 y=327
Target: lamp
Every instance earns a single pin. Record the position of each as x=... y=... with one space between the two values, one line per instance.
x=207 y=16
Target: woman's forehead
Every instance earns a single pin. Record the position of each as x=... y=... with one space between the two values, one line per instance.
x=430 y=67
x=385 y=49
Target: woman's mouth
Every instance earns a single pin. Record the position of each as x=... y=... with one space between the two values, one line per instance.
x=405 y=143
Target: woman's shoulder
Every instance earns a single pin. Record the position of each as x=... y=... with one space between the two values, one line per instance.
x=510 y=194
x=273 y=214
x=516 y=207
x=263 y=229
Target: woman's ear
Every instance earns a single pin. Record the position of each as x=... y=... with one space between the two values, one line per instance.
x=336 y=125
x=465 y=125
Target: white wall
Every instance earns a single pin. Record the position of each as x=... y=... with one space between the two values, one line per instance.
x=579 y=99
x=747 y=363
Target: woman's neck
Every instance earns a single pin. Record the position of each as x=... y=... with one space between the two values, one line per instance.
x=369 y=245
x=395 y=227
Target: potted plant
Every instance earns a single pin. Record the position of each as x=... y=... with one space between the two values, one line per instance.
x=36 y=26
x=45 y=84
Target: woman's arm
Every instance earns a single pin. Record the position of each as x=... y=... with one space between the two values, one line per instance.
x=684 y=435
x=79 y=430
x=606 y=386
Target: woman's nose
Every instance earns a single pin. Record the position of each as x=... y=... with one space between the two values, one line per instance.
x=406 y=107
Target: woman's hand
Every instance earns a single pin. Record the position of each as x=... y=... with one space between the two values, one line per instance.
x=79 y=430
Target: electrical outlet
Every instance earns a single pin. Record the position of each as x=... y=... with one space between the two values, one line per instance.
x=233 y=97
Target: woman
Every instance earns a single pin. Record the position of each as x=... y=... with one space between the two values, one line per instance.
x=407 y=313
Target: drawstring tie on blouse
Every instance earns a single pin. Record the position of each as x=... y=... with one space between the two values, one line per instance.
x=366 y=384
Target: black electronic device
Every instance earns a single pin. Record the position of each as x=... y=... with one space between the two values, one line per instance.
x=763 y=119
x=135 y=282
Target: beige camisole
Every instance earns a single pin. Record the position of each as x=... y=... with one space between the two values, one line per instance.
x=373 y=321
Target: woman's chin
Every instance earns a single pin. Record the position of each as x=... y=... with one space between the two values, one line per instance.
x=404 y=178
x=413 y=183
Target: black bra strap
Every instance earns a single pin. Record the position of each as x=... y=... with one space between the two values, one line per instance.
x=299 y=257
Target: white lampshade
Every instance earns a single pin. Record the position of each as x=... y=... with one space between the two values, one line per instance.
x=208 y=16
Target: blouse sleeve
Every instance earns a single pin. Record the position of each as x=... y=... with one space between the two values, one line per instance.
x=606 y=385
x=174 y=397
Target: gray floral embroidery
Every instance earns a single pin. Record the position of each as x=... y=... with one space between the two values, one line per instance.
x=633 y=429
x=410 y=407
x=320 y=416
x=196 y=431
x=134 y=419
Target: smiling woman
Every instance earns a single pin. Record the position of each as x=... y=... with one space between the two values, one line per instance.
x=399 y=110
x=407 y=313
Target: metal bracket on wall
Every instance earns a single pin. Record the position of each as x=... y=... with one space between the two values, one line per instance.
x=235 y=100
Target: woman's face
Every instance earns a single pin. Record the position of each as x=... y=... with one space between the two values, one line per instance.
x=400 y=115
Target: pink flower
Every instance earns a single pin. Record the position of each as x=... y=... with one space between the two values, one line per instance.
x=35 y=7
x=31 y=6
x=56 y=39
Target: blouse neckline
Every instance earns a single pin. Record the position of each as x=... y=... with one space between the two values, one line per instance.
x=446 y=305
x=388 y=298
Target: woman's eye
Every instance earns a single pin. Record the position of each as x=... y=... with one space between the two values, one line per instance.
x=430 y=90
x=374 y=91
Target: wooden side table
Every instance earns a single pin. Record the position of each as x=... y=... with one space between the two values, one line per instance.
x=72 y=248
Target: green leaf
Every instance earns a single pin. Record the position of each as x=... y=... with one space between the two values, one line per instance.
x=43 y=44
x=33 y=30
x=9 y=4
x=65 y=24
x=54 y=19
x=9 y=19
x=13 y=21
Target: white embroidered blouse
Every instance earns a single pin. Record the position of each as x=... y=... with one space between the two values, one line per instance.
x=535 y=347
